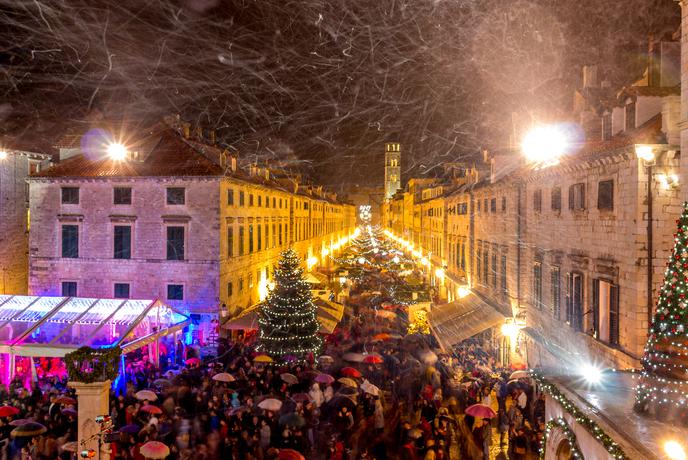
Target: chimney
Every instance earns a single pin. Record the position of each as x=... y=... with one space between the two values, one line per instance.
x=186 y=130
x=233 y=160
x=590 y=76
x=212 y=137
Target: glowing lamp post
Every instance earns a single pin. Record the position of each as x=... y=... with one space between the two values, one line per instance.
x=674 y=450
x=544 y=144
x=117 y=151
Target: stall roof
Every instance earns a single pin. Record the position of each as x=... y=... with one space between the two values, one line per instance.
x=459 y=320
x=54 y=326
x=329 y=314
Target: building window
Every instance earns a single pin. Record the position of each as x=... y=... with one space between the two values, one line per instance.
x=175 y=243
x=486 y=268
x=176 y=195
x=630 y=116
x=267 y=201
x=241 y=284
x=478 y=205
x=70 y=241
x=250 y=238
x=260 y=237
x=122 y=242
x=260 y=200
x=574 y=300
x=241 y=240
x=463 y=256
x=121 y=291
x=274 y=235
x=241 y=198
x=493 y=205
x=230 y=289
x=70 y=195
x=280 y=235
x=606 y=126
x=175 y=292
x=230 y=241
x=577 y=197
x=274 y=202
x=250 y=199
x=537 y=200
x=122 y=195
x=267 y=236
x=69 y=289
x=503 y=204
x=478 y=259
x=485 y=205
x=556 y=293
x=556 y=199
x=537 y=285
x=503 y=278
x=605 y=306
x=494 y=270
x=230 y=197
x=605 y=195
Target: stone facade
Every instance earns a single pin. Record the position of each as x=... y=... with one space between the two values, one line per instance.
x=147 y=272
x=15 y=167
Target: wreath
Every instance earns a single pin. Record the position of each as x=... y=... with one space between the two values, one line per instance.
x=561 y=424
x=89 y=365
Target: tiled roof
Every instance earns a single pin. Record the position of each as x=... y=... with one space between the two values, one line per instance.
x=165 y=153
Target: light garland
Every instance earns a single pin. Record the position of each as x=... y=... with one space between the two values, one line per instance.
x=570 y=436
x=581 y=418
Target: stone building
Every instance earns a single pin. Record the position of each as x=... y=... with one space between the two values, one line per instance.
x=15 y=166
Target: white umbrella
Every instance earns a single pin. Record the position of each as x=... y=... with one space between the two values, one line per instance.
x=428 y=357
x=223 y=377
x=270 y=404
x=353 y=357
x=146 y=395
x=370 y=388
x=519 y=375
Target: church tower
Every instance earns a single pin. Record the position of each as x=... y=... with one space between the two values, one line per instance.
x=392 y=169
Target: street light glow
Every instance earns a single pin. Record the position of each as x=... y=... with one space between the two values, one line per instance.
x=645 y=153
x=591 y=373
x=117 y=151
x=674 y=450
x=3 y=155
x=544 y=144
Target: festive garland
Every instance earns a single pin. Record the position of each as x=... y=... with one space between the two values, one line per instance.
x=586 y=422
x=89 y=365
x=560 y=423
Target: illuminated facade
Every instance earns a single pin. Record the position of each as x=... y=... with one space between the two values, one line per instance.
x=392 y=169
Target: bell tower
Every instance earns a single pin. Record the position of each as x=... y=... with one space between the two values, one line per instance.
x=392 y=169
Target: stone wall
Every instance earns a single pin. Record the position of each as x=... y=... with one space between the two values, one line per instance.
x=148 y=271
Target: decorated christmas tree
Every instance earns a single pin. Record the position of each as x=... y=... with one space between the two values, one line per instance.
x=663 y=387
x=287 y=324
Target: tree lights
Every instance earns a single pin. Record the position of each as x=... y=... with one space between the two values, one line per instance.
x=288 y=324
x=664 y=375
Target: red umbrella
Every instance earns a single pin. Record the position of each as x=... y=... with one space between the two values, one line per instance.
x=155 y=450
x=66 y=401
x=151 y=409
x=290 y=454
x=324 y=378
x=373 y=359
x=193 y=361
x=7 y=411
x=480 y=410
x=350 y=372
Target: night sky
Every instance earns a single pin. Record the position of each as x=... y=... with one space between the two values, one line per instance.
x=323 y=83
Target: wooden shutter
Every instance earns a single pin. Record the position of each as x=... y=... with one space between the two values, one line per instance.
x=571 y=197
x=596 y=307
x=614 y=315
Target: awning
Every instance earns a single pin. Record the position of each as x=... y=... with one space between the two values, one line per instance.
x=459 y=320
x=329 y=314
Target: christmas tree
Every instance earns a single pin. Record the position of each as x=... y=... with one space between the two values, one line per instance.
x=287 y=324
x=663 y=387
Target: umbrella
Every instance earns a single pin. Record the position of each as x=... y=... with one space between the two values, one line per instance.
x=28 y=429
x=223 y=377
x=290 y=454
x=162 y=383
x=130 y=429
x=381 y=337
x=270 y=404
x=373 y=359
x=7 y=411
x=353 y=357
x=341 y=401
x=66 y=401
x=326 y=359
x=348 y=391
x=291 y=379
x=370 y=388
x=191 y=362
x=385 y=314
x=69 y=446
x=428 y=357
x=480 y=410
x=155 y=450
x=69 y=412
x=20 y=421
x=350 y=372
x=146 y=395
x=151 y=409
x=308 y=375
x=292 y=419
x=324 y=378
x=262 y=359
x=415 y=433
x=519 y=375
x=348 y=382
x=301 y=397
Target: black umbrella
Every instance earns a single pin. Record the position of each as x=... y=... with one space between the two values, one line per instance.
x=292 y=419
x=28 y=429
x=130 y=429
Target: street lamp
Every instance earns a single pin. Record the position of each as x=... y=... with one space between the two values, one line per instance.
x=117 y=151
x=647 y=155
x=544 y=144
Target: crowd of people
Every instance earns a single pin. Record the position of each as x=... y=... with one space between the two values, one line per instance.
x=377 y=393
